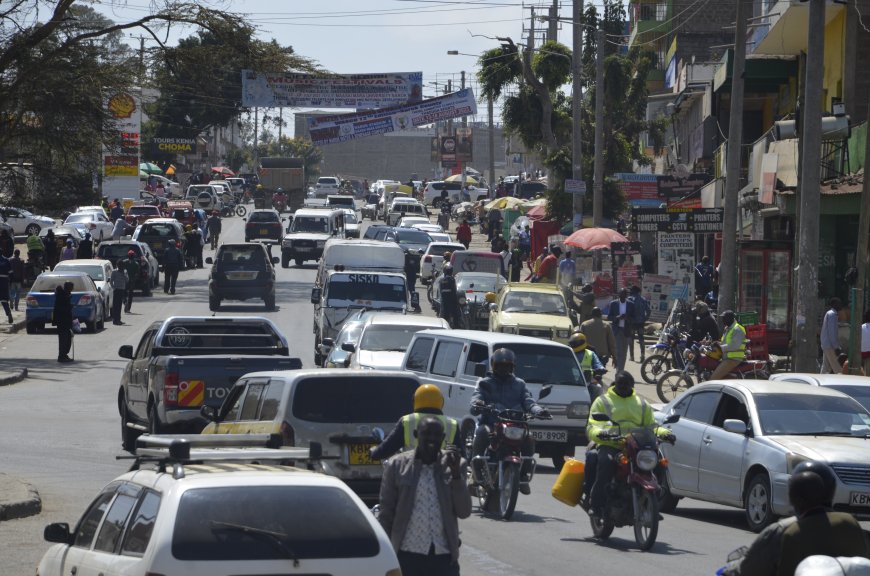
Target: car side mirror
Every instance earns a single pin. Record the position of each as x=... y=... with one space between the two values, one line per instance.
x=348 y=347
x=126 y=351
x=315 y=295
x=210 y=413
x=57 y=532
x=734 y=426
x=493 y=307
x=671 y=419
x=545 y=391
x=209 y=260
x=480 y=370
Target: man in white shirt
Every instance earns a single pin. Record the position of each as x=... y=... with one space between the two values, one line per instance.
x=830 y=340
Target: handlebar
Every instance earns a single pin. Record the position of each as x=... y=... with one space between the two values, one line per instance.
x=511 y=414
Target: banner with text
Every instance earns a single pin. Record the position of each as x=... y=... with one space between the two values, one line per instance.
x=343 y=127
x=640 y=189
x=676 y=254
x=657 y=291
x=363 y=91
x=168 y=145
x=695 y=220
x=121 y=165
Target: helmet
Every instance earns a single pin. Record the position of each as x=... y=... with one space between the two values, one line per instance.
x=502 y=357
x=489 y=297
x=824 y=472
x=130 y=253
x=428 y=396
x=727 y=316
x=577 y=341
x=188 y=228
x=447 y=269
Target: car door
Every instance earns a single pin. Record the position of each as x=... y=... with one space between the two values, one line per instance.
x=696 y=411
x=104 y=559
x=137 y=387
x=15 y=219
x=476 y=359
x=247 y=415
x=78 y=560
x=720 y=469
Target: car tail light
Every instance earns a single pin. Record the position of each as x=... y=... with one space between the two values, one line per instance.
x=32 y=302
x=85 y=300
x=170 y=388
x=288 y=435
x=427 y=258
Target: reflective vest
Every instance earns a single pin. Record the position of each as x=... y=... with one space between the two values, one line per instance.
x=410 y=422
x=630 y=412
x=740 y=353
x=585 y=360
x=34 y=244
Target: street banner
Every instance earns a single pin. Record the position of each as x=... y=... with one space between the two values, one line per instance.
x=464 y=145
x=448 y=149
x=674 y=187
x=170 y=145
x=640 y=189
x=343 y=127
x=673 y=219
x=361 y=91
x=769 y=164
x=656 y=288
x=121 y=164
x=676 y=254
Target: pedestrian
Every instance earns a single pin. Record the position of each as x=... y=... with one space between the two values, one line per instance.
x=69 y=252
x=172 y=261
x=642 y=313
x=120 y=229
x=516 y=262
x=565 y=277
x=5 y=273
x=494 y=220
x=496 y=243
x=160 y=189
x=703 y=278
x=549 y=267
x=423 y=495
x=62 y=318
x=193 y=246
x=449 y=305
x=86 y=247
x=535 y=264
x=619 y=314
x=412 y=268
x=7 y=244
x=587 y=302
x=119 y=282
x=830 y=339
x=214 y=225
x=117 y=211
x=525 y=241
x=16 y=278
x=599 y=336
x=49 y=244
x=463 y=233
x=130 y=265
x=505 y=255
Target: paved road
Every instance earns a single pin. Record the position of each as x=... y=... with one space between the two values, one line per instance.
x=60 y=431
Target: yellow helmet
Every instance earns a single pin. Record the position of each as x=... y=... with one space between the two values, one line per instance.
x=577 y=342
x=188 y=228
x=428 y=396
x=489 y=297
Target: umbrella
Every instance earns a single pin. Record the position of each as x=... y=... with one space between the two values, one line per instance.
x=150 y=168
x=594 y=238
x=506 y=202
x=401 y=188
x=534 y=203
x=223 y=170
x=469 y=180
x=537 y=212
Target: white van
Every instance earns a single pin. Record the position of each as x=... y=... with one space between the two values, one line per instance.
x=308 y=232
x=364 y=255
x=455 y=360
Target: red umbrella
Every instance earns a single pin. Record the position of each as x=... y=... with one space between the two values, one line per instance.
x=594 y=238
x=223 y=170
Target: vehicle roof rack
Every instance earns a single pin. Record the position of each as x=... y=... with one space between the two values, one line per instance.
x=175 y=450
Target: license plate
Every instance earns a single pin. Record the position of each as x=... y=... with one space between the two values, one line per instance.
x=303 y=249
x=241 y=275
x=550 y=435
x=359 y=455
x=859 y=499
x=264 y=230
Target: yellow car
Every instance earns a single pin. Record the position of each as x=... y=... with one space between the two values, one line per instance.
x=537 y=310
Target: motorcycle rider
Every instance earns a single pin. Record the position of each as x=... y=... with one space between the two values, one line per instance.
x=733 y=345
x=705 y=325
x=621 y=405
x=449 y=308
x=35 y=250
x=589 y=361
x=428 y=401
x=506 y=392
x=279 y=200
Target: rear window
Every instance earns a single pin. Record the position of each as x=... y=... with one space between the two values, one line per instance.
x=49 y=283
x=242 y=255
x=270 y=523
x=191 y=335
x=167 y=230
x=477 y=262
x=263 y=217
x=115 y=251
x=543 y=364
x=349 y=399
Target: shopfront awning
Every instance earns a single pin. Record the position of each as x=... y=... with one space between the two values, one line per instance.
x=786 y=167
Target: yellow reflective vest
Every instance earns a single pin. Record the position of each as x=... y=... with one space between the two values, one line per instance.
x=410 y=422
x=740 y=353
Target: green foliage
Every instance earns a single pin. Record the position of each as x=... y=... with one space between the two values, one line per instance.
x=238 y=157
x=499 y=68
x=560 y=206
x=552 y=64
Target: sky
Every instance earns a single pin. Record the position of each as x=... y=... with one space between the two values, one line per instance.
x=359 y=36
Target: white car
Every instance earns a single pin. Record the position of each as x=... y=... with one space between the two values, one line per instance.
x=858 y=387
x=325 y=186
x=440 y=237
x=23 y=222
x=384 y=339
x=428 y=227
x=93 y=209
x=222 y=516
x=96 y=223
x=100 y=271
x=412 y=221
x=351 y=223
x=433 y=257
x=205 y=196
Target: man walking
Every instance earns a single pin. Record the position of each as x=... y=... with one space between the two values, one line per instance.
x=131 y=267
x=214 y=226
x=172 y=260
x=423 y=496
x=119 y=282
x=412 y=268
x=16 y=278
x=599 y=336
x=565 y=276
x=620 y=313
x=642 y=313
x=494 y=221
x=703 y=278
x=463 y=234
x=830 y=340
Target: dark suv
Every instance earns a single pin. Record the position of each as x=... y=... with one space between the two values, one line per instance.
x=158 y=233
x=264 y=225
x=115 y=250
x=241 y=272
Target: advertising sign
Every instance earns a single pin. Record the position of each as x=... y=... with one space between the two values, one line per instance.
x=695 y=220
x=678 y=187
x=172 y=145
x=121 y=165
x=577 y=187
x=676 y=253
x=464 y=144
x=343 y=127
x=363 y=91
x=640 y=189
x=656 y=288
x=448 y=149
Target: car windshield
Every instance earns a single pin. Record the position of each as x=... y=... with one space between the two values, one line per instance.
x=246 y=523
x=116 y=251
x=411 y=236
x=350 y=218
x=389 y=338
x=346 y=292
x=859 y=393
x=439 y=249
x=84 y=217
x=167 y=230
x=49 y=283
x=478 y=282
x=543 y=364
x=95 y=271
x=349 y=333
x=477 y=262
x=263 y=217
x=309 y=224
x=811 y=415
x=533 y=303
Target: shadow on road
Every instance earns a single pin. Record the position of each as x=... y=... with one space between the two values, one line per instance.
x=732 y=518
x=629 y=545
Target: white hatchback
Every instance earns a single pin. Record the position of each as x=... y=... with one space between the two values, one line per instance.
x=232 y=517
x=433 y=257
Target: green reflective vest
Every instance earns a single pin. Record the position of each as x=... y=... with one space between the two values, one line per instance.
x=740 y=353
x=410 y=422
x=585 y=361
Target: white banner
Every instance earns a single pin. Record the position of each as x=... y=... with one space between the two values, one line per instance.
x=365 y=91
x=342 y=127
x=677 y=256
x=121 y=166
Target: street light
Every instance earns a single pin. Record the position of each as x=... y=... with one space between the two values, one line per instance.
x=491 y=130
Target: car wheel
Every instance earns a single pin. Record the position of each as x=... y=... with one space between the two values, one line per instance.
x=30 y=327
x=101 y=324
x=759 y=512
x=32 y=229
x=90 y=327
x=128 y=435
x=285 y=261
x=156 y=282
x=154 y=424
x=299 y=262
x=146 y=290
x=667 y=500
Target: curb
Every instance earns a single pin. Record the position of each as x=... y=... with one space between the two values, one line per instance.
x=13 y=328
x=29 y=504
x=13 y=378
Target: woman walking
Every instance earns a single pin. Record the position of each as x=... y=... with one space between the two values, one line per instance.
x=63 y=320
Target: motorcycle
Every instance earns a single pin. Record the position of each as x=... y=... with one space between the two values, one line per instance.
x=664 y=356
x=701 y=360
x=633 y=494
x=496 y=474
x=279 y=204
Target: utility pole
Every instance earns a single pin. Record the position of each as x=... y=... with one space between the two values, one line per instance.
x=553 y=29
x=491 y=147
x=256 y=135
x=280 y=125
x=861 y=262
x=598 y=166
x=728 y=264
x=576 y=101
x=464 y=125
x=805 y=327
x=449 y=122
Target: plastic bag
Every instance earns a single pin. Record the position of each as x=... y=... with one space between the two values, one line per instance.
x=76 y=326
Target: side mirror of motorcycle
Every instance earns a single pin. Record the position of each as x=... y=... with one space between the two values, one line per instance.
x=600 y=417
x=671 y=419
x=545 y=391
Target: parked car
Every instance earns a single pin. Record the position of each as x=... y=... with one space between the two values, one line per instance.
x=24 y=223
x=62 y=234
x=100 y=271
x=739 y=440
x=385 y=337
x=264 y=224
x=96 y=223
x=158 y=233
x=149 y=268
x=87 y=301
x=241 y=272
x=858 y=387
x=221 y=512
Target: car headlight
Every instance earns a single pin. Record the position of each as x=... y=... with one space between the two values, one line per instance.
x=514 y=432
x=321 y=243
x=562 y=333
x=792 y=460
x=578 y=410
x=509 y=329
x=647 y=459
